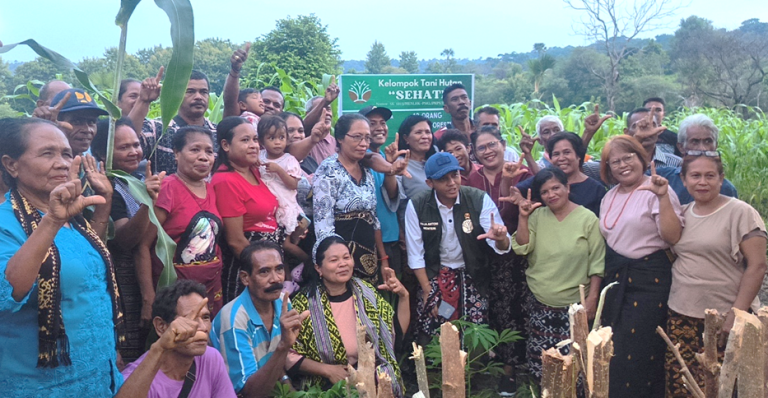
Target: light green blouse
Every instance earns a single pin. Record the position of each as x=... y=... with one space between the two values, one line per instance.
x=562 y=254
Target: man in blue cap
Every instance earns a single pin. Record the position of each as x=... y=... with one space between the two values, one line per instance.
x=81 y=112
x=445 y=228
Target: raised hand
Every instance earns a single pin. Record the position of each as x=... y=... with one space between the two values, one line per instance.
x=290 y=323
x=528 y=206
x=593 y=122
x=184 y=329
x=153 y=182
x=512 y=170
x=656 y=184
x=97 y=176
x=150 y=87
x=515 y=197
x=322 y=128
x=331 y=92
x=400 y=165
x=67 y=200
x=239 y=57
x=645 y=128
x=391 y=283
x=392 y=151
x=497 y=232
x=526 y=141
x=51 y=113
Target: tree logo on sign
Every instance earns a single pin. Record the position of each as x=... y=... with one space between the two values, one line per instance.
x=360 y=92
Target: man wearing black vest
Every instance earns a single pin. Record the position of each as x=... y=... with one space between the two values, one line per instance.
x=445 y=228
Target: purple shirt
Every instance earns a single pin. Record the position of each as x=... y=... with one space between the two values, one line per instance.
x=212 y=379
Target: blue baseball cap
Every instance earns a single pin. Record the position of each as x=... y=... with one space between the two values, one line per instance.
x=441 y=164
x=79 y=100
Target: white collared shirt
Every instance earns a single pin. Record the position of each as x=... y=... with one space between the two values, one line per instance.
x=451 y=255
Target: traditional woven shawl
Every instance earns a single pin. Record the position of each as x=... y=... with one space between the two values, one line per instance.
x=53 y=343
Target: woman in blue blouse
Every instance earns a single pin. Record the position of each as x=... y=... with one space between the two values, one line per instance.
x=59 y=313
x=344 y=198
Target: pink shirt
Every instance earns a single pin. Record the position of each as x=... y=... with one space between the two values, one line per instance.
x=323 y=149
x=636 y=232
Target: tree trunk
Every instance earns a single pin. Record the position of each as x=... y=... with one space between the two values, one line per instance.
x=454 y=360
x=730 y=368
x=599 y=353
x=385 y=386
x=557 y=380
x=752 y=367
x=762 y=314
x=421 y=370
x=577 y=317
x=713 y=322
x=366 y=364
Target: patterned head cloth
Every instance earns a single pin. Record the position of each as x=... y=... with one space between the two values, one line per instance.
x=319 y=241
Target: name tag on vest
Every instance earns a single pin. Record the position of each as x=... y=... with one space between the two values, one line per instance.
x=428 y=226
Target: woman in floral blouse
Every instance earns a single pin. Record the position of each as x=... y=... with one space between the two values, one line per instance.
x=344 y=198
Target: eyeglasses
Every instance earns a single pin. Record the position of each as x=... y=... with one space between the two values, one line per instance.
x=358 y=138
x=626 y=159
x=489 y=146
x=709 y=154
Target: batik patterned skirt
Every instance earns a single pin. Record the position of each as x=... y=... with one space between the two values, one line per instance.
x=472 y=306
x=507 y=300
x=547 y=326
x=357 y=229
x=687 y=332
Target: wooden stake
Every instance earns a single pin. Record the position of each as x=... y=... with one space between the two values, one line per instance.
x=762 y=314
x=713 y=322
x=583 y=295
x=752 y=365
x=599 y=353
x=730 y=368
x=690 y=381
x=577 y=316
x=385 y=386
x=454 y=360
x=421 y=369
x=557 y=379
x=366 y=364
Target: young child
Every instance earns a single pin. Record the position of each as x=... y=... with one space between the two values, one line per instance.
x=280 y=170
x=251 y=106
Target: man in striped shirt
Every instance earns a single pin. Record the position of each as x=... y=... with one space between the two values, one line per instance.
x=255 y=331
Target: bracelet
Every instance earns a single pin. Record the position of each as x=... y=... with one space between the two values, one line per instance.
x=285 y=379
x=384 y=258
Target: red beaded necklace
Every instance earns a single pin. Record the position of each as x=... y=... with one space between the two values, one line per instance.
x=605 y=219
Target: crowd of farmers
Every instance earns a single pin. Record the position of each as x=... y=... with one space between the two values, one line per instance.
x=291 y=234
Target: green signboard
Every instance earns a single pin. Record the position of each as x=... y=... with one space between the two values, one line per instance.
x=404 y=95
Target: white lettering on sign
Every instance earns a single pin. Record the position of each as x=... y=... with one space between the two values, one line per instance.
x=432 y=115
x=416 y=94
x=403 y=84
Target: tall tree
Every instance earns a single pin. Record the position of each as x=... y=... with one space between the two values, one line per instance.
x=538 y=67
x=409 y=61
x=613 y=27
x=450 y=62
x=301 y=46
x=377 y=58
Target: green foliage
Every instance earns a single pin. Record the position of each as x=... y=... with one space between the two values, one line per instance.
x=478 y=341
x=301 y=46
x=295 y=91
x=212 y=57
x=409 y=61
x=377 y=59
x=339 y=390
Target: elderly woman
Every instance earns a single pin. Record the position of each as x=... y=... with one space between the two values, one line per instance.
x=338 y=303
x=508 y=290
x=640 y=219
x=416 y=135
x=565 y=250
x=131 y=219
x=344 y=198
x=186 y=208
x=59 y=301
x=718 y=271
x=567 y=151
x=246 y=204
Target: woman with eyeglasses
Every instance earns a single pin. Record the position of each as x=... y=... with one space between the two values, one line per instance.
x=720 y=264
x=508 y=290
x=344 y=198
x=640 y=219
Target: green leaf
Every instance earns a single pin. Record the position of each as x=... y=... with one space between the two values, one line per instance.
x=126 y=9
x=165 y=246
x=64 y=63
x=180 y=67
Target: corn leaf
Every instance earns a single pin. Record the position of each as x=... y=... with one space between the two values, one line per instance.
x=126 y=10
x=165 y=246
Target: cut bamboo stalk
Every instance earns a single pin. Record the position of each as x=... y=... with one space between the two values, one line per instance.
x=713 y=322
x=385 y=386
x=421 y=369
x=690 y=381
x=454 y=360
x=751 y=367
x=366 y=364
x=599 y=353
x=730 y=368
x=762 y=314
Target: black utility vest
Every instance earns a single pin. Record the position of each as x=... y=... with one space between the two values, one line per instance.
x=475 y=252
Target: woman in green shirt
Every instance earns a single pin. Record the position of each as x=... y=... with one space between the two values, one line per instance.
x=565 y=249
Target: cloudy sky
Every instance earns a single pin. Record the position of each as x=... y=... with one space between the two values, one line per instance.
x=84 y=28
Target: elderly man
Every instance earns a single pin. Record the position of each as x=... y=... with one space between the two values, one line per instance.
x=187 y=367
x=47 y=92
x=450 y=230
x=81 y=112
x=697 y=135
x=662 y=159
x=255 y=331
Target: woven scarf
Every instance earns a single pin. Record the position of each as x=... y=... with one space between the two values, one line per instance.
x=321 y=340
x=53 y=343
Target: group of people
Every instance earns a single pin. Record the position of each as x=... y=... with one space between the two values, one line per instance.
x=290 y=238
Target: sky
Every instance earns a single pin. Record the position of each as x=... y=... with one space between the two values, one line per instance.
x=84 y=28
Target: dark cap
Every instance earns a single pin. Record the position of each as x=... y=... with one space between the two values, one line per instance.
x=441 y=164
x=385 y=113
x=78 y=101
